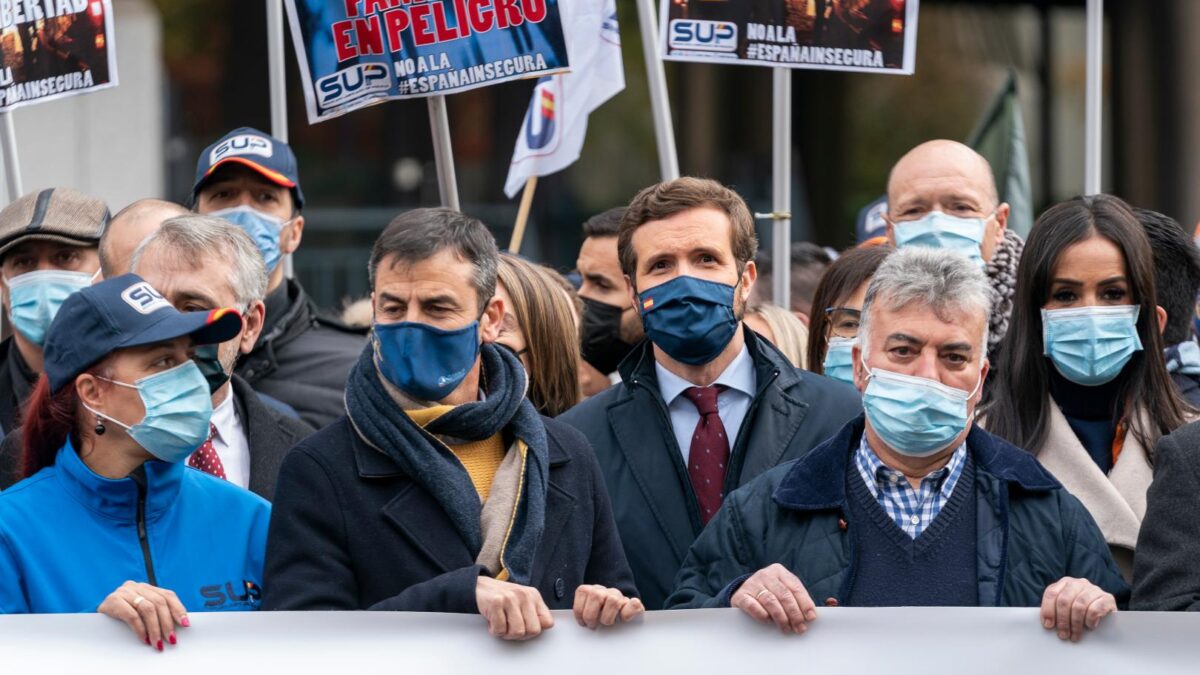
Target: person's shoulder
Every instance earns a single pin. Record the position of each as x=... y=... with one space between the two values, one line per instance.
x=221 y=494
x=572 y=442
x=1184 y=442
x=31 y=489
x=594 y=407
x=826 y=391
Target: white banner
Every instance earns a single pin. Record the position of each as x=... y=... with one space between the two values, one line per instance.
x=842 y=641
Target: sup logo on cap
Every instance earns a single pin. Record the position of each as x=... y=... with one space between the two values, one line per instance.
x=245 y=144
x=143 y=298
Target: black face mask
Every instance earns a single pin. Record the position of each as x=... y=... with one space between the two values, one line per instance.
x=599 y=336
x=210 y=365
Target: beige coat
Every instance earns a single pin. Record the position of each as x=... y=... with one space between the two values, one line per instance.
x=1117 y=501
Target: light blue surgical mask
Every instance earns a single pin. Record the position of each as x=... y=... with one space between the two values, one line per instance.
x=34 y=299
x=1091 y=345
x=915 y=416
x=839 y=361
x=263 y=228
x=178 y=412
x=939 y=230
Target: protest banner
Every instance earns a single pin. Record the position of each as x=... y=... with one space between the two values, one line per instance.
x=842 y=641
x=874 y=36
x=355 y=53
x=54 y=49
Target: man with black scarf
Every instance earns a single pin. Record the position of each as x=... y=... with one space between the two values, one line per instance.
x=610 y=328
x=442 y=489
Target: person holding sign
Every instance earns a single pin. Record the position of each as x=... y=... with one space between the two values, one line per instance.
x=705 y=404
x=913 y=504
x=442 y=489
x=110 y=519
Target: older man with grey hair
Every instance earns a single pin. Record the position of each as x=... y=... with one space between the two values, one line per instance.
x=911 y=504
x=202 y=263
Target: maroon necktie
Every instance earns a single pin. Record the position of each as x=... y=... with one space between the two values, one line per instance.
x=709 y=453
x=205 y=457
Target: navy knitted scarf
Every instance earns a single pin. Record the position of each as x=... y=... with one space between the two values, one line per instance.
x=381 y=423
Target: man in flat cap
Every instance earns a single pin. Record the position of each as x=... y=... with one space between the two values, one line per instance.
x=48 y=241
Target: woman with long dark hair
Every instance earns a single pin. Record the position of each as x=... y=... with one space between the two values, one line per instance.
x=109 y=518
x=1083 y=384
x=837 y=306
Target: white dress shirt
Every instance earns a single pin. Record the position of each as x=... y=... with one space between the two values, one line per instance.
x=732 y=404
x=230 y=442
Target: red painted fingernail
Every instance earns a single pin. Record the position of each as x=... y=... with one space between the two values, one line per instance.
x=171 y=638
x=185 y=622
x=147 y=639
x=160 y=645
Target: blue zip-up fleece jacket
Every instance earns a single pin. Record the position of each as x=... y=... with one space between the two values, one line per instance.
x=69 y=538
x=1030 y=531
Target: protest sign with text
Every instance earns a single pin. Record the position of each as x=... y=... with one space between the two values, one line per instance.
x=877 y=36
x=355 y=53
x=54 y=48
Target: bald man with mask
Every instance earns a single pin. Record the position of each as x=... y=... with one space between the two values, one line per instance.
x=942 y=194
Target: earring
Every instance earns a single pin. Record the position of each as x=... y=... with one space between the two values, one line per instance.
x=99 y=427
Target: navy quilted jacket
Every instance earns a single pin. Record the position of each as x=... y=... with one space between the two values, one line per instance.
x=1031 y=531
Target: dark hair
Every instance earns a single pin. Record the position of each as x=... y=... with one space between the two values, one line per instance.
x=666 y=199
x=1176 y=272
x=48 y=420
x=422 y=233
x=1017 y=409
x=852 y=269
x=606 y=224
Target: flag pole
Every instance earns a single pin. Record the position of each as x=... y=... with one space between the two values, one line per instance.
x=443 y=152
x=660 y=102
x=514 y=244
x=781 y=187
x=1095 y=97
x=12 y=163
x=277 y=83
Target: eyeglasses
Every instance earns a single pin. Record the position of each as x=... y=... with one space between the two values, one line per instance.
x=843 y=321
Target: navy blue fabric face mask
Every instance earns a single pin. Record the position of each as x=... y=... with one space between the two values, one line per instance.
x=423 y=361
x=690 y=319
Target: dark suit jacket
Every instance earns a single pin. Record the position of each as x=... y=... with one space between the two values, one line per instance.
x=630 y=429
x=1166 y=575
x=269 y=433
x=350 y=530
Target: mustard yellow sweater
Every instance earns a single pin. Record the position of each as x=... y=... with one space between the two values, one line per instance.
x=481 y=458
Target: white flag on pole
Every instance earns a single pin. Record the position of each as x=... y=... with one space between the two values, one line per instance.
x=555 y=125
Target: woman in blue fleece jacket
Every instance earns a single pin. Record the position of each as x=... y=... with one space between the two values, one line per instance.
x=110 y=518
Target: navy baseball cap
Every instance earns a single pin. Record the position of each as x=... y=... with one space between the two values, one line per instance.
x=268 y=156
x=123 y=312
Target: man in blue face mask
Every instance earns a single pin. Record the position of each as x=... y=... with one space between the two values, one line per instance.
x=471 y=502
x=910 y=504
x=942 y=194
x=48 y=244
x=302 y=358
x=704 y=405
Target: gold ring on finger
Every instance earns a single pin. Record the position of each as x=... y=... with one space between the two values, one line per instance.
x=760 y=593
x=138 y=600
